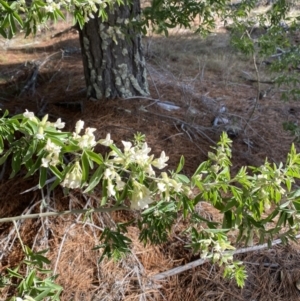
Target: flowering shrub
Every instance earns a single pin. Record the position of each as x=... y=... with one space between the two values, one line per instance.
x=262 y=204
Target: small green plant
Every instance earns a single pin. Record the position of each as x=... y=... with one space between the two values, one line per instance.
x=36 y=284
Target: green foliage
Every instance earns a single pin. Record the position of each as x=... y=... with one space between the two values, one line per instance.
x=277 y=30
x=163 y=15
x=36 y=284
x=260 y=203
x=294 y=130
x=156 y=221
x=115 y=244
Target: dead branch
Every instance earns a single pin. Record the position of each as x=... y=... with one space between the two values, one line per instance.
x=37 y=65
x=199 y=262
x=72 y=29
x=48 y=214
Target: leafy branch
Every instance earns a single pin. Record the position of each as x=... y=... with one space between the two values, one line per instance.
x=261 y=203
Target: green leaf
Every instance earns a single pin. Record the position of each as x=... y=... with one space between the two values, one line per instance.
x=16 y=164
x=35 y=166
x=6 y=6
x=60 y=13
x=18 y=18
x=95 y=179
x=30 y=151
x=30 y=278
x=117 y=151
x=180 y=165
x=45 y=293
x=14 y=272
x=55 y=183
x=5 y=156
x=43 y=177
x=97 y=158
x=284 y=205
x=12 y=24
x=1 y=145
x=56 y=172
x=227 y=219
x=182 y=178
x=3 y=33
x=203 y=166
x=85 y=167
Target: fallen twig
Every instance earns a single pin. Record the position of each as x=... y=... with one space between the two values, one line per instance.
x=48 y=214
x=199 y=262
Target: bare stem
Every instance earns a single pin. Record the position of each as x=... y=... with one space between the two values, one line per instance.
x=258 y=88
x=48 y=214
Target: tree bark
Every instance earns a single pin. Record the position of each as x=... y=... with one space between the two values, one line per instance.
x=112 y=52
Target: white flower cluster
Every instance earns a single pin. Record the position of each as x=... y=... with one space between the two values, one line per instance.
x=141 y=196
x=91 y=7
x=88 y=139
x=166 y=185
x=73 y=177
x=135 y=160
x=140 y=156
x=43 y=124
x=51 y=6
x=113 y=177
x=53 y=154
x=107 y=141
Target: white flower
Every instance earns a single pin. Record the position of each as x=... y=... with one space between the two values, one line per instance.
x=86 y=141
x=149 y=170
x=109 y=173
x=141 y=156
x=110 y=189
x=161 y=186
x=49 y=8
x=90 y=131
x=127 y=146
x=73 y=177
x=160 y=162
x=141 y=196
x=40 y=135
x=107 y=141
x=53 y=154
x=52 y=147
x=177 y=186
x=46 y=161
x=120 y=184
x=58 y=124
x=79 y=126
x=141 y=203
x=54 y=159
x=29 y=115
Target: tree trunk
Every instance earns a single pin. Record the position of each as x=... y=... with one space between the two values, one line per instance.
x=113 y=60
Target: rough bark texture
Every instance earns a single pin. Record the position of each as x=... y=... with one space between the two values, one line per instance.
x=113 y=60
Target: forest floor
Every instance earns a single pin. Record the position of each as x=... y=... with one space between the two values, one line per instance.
x=193 y=82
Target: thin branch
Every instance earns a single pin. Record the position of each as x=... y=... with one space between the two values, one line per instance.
x=258 y=91
x=48 y=214
x=199 y=262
